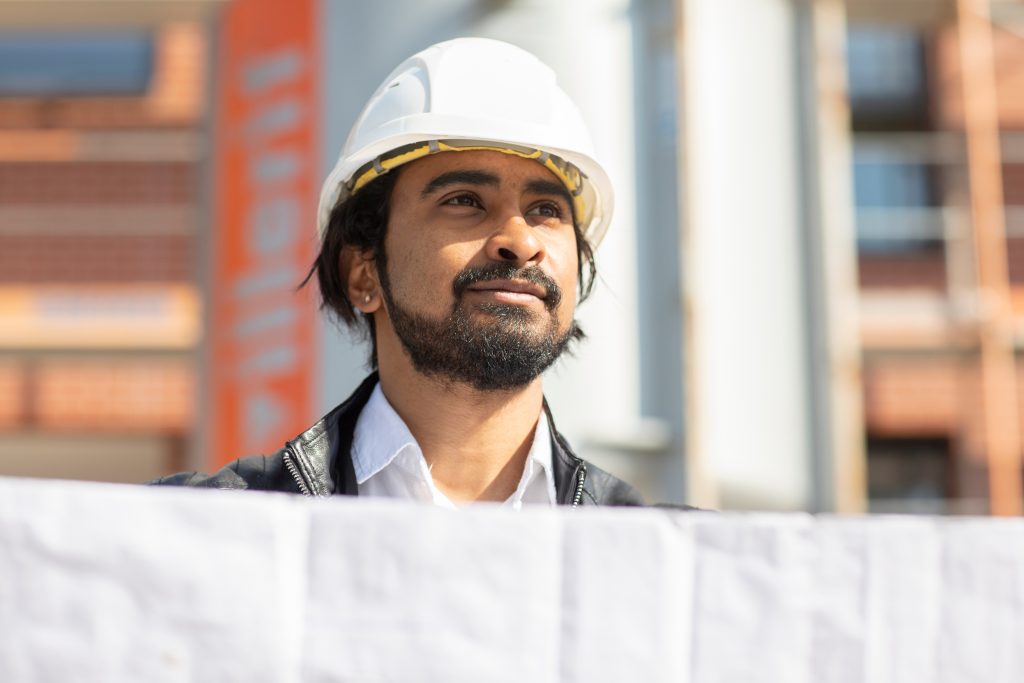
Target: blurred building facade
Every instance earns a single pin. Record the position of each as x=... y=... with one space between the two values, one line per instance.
x=791 y=313
x=924 y=296
x=872 y=364
x=102 y=125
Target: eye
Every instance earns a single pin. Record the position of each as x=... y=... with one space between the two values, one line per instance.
x=546 y=210
x=465 y=199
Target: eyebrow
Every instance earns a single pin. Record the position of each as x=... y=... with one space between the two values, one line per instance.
x=476 y=177
x=539 y=186
x=467 y=177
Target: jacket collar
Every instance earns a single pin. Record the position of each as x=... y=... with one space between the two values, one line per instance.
x=322 y=454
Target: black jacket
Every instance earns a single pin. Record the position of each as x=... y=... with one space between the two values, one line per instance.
x=318 y=462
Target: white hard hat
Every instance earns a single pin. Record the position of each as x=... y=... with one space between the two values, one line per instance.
x=467 y=94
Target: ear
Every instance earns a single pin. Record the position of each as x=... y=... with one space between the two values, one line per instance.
x=362 y=284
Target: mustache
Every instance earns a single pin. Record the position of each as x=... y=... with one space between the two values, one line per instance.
x=507 y=271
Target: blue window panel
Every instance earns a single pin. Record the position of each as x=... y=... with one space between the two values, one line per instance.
x=896 y=204
x=55 y=64
x=900 y=185
x=886 y=66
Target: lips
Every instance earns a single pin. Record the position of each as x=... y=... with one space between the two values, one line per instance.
x=513 y=286
x=509 y=284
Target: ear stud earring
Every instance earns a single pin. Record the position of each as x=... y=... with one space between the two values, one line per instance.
x=366 y=298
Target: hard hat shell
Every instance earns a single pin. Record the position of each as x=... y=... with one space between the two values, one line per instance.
x=473 y=93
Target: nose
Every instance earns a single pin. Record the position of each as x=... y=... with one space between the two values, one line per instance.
x=515 y=241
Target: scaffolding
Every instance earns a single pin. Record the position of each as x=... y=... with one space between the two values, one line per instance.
x=978 y=303
x=958 y=233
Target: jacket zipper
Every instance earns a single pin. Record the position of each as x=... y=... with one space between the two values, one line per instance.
x=581 y=476
x=293 y=468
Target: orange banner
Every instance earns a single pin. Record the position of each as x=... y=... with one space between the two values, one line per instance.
x=261 y=351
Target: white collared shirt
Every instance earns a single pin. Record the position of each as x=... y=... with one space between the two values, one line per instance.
x=389 y=463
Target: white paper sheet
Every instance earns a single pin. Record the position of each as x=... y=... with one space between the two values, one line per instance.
x=120 y=583
x=626 y=596
x=753 y=599
x=125 y=583
x=982 y=634
x=401 y=591
x=903 y=599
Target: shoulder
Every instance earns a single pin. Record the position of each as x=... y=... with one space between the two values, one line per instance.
x=309 y=457
x=256 y=472
x=602 y=488
x=598 y=486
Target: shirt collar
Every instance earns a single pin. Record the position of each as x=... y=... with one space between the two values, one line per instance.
x=381 y=436
x=538 y=464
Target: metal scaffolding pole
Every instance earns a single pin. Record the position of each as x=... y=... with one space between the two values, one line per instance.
x=998 y=365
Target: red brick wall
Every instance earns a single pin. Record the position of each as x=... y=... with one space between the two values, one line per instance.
x=114 y=394
x=98 y=183
x=100 y=395
x=926 y=270
x=96 y=258
x=40 y=243
x=12 y=391
x=1013 y=184
x=85 y=113
x=929 y=395
x=912 y=396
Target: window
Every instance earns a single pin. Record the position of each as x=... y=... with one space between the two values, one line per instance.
x=57 y=64
x=887 y=78
x=896 y=202
x=898 y=210
x=909 y=475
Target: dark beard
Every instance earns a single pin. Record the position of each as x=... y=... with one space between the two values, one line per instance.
x=502 y=353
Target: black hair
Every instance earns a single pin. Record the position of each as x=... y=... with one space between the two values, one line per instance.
x=360 y=221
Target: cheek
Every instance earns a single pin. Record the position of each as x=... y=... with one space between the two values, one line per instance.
x=565 y=273
x=423 y=272
x=567 y=268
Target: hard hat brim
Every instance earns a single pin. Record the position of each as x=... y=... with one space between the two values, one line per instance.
x=593 y=210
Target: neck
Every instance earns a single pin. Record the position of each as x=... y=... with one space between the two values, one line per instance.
x=476 y=442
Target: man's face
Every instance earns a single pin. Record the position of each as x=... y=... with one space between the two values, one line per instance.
x=481 y=266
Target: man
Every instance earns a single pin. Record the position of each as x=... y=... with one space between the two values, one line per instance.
x=456 y=230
